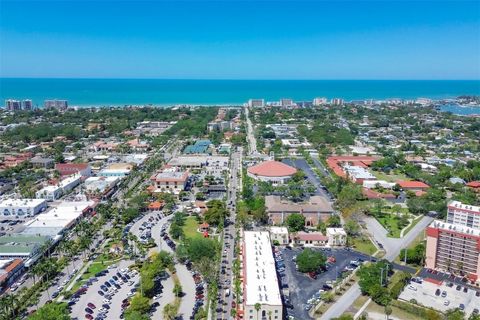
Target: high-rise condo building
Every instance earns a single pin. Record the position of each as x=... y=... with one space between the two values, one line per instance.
x=56 y=104
x=463 y=214
x=259 y=103
x=453 y=248
x=13 y=105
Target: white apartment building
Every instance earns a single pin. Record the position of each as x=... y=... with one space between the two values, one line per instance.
x=463 y=214
x=260 y=279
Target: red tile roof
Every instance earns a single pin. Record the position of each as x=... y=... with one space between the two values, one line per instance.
x=474 y=184
x=434 y=281
x=156 y=205
x=413 y=184
x=272 y=169
x=313 y=236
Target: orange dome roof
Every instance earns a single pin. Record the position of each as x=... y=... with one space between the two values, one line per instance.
x=272 y=169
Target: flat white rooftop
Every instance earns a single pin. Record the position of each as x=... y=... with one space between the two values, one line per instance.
x=450 y=227
x=261 y=283
x=21 y=202
x=461 y=206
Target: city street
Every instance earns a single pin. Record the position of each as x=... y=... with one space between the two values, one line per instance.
x=226 y=279
x=252 y=142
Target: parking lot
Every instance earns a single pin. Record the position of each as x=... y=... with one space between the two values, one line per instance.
x=443 y=296
x=302 y=288
x=105 y=308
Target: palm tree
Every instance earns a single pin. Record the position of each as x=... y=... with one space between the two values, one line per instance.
x=388 y=311
x=258 y=306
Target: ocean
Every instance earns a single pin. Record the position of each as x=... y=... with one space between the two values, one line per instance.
x=120 y=92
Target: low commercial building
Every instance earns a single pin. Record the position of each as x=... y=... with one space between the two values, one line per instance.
x=25 y=247
x=358 y=174
x=199 y=147
x=170 y=180
x=280 y=235
x=10 y=270
x=67 y=169
x=100 y=185
x=21 y=208
x=316 y=209
x=453 y=248
x=61 y=217
x=262 y=298
x=310 y=239
x=336 y=237
x=463 y=214
x=271 y=171
x=54 y=192
x=198 y=162
x=40 y=162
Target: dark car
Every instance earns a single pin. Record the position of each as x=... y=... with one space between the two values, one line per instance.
x=107 y=284
x=100 y=292
x=459 y=287
x=88 y=310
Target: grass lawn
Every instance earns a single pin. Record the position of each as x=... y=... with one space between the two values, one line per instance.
x=364 y=245
x=396 y=312
x=390 y=223
x=414 y=222
x=393 y=177
x=420 y=238
x=100 y=264
x=357 y=304
x=190 y=228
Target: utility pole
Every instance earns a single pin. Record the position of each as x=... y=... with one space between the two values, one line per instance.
x=381 y=277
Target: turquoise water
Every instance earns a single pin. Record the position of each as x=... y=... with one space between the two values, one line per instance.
x=460 y=110
x=118 y=92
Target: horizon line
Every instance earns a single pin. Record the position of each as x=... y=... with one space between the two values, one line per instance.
x=231 y=79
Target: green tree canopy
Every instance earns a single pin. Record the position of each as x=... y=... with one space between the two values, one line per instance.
x=310 y=261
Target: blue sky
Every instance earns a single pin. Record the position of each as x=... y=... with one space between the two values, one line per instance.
x=240 y=39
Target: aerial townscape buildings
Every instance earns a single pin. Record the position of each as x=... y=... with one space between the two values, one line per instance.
x=264 y=211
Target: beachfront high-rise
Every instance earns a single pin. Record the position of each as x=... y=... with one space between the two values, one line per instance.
x=27 y=104
x=319 y=101
x=454 y=246
x=259 y=103
x=56 y=104
x=13 y=105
